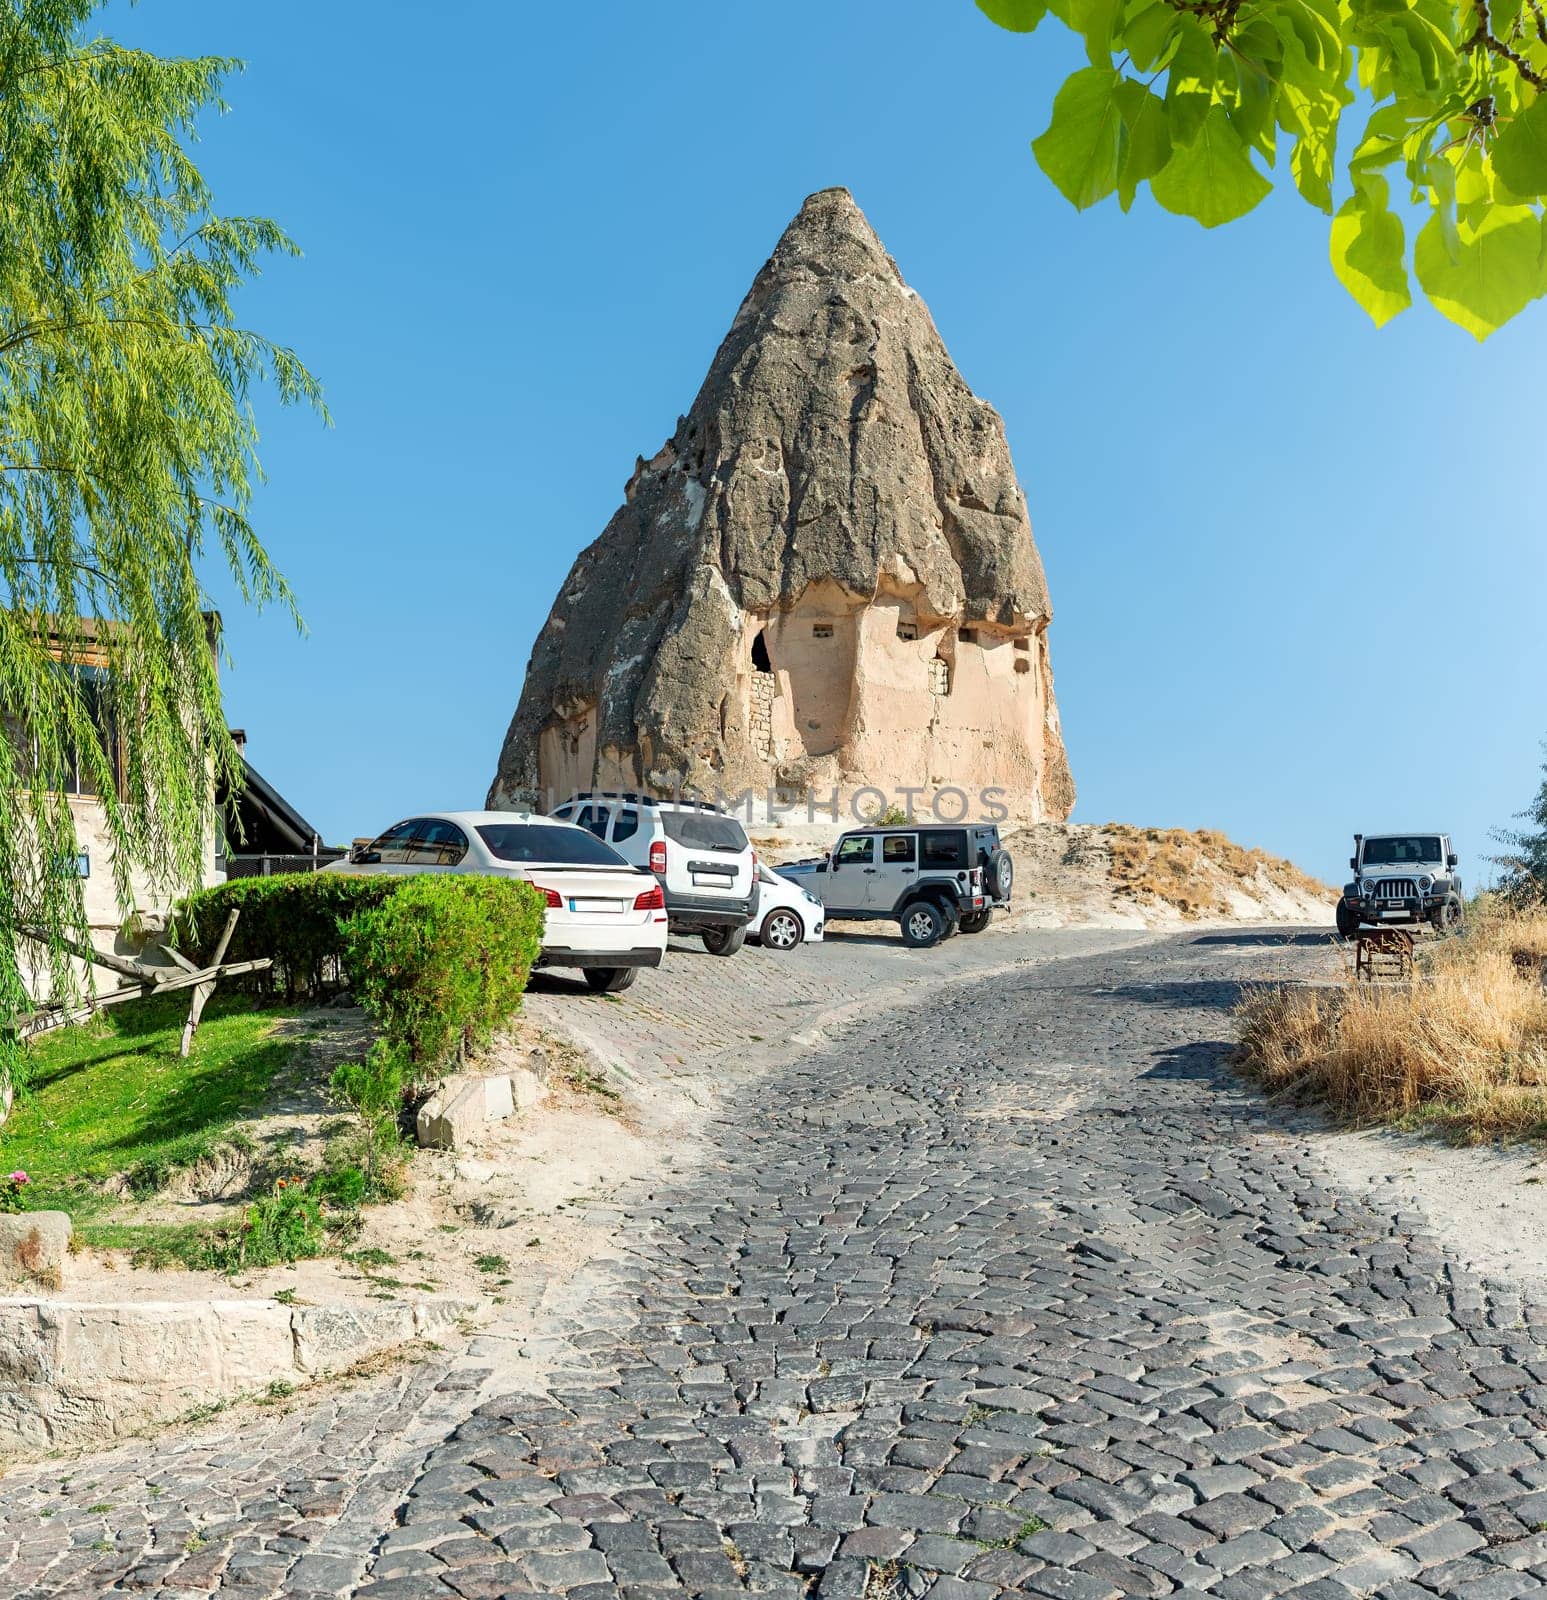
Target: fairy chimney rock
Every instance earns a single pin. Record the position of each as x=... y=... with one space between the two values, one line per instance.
x=824 y=579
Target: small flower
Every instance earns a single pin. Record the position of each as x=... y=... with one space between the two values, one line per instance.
x=19 y=1178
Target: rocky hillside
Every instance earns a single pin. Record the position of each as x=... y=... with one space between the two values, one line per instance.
x=1113 y=874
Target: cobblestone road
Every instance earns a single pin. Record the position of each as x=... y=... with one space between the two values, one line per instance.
x=1016 y=1291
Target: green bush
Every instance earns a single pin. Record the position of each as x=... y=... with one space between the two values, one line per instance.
x=296 y=918
x=373 y=1151
x=283 y=1226
x=440 y=964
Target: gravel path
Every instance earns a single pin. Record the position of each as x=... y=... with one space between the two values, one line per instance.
x=1012 y=1290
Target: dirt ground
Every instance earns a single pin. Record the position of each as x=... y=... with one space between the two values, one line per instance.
x=481 y=1223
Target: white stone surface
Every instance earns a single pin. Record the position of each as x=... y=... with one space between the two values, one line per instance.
x=75 y=1373
x=34 y=1247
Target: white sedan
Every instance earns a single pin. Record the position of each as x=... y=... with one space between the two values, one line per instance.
x=604 y=916
x=786 y=914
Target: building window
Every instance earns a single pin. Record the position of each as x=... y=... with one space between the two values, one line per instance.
x=907 y=630
x=78 y=776
x=1023 y=644
x=821 y=630
x=967 y=635
x=939 y=676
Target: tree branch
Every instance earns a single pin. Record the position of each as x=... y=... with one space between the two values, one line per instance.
x=1483 y=39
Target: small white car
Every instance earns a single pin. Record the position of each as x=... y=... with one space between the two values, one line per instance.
x=787 y=915
x=701 y=857
x=604 y=916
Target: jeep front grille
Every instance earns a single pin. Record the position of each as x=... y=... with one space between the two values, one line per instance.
x=1395 y=889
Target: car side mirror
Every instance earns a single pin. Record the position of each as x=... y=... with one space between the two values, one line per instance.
x=1452 y=861
x=1353 y=863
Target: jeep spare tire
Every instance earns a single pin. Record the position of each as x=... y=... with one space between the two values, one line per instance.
x=999 y=875
x=923 y=924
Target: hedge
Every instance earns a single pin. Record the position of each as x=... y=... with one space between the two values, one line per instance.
x=295 y=917
x=439 y=962
x=442 y=962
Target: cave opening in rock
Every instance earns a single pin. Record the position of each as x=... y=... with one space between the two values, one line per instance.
x=760 y=661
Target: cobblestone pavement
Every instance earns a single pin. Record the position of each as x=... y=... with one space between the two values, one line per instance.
x=1016 y=1291
x=695 y=1007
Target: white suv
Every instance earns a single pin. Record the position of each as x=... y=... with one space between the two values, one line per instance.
x=701 y=857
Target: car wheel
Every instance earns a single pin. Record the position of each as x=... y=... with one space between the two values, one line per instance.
x=724 y=941
x=781 y=930
x=609 y=980
x=1447 y=918
x=976 y=921
x=1348 y=921
x=923 y=924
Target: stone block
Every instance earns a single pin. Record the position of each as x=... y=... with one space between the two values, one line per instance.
x=461 y=1108
x=529 y=1084
x=33 y=1248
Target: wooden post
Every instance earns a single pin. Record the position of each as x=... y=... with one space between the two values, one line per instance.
x=206 y=986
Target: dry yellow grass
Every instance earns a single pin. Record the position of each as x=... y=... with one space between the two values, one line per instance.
x=1194 y=870
x=1463 y=1047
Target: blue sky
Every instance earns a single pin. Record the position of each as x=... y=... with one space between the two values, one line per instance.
x=1296 y=564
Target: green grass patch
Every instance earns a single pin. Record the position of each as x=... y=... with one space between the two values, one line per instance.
x=113 y=1096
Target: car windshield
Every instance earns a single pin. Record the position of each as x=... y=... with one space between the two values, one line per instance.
x=1402 y=850
x=704 y=830
x=549 y=844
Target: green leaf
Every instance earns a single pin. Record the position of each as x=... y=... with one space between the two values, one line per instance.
x=1147 y=33
x=1082 y=148
x=1211 y=179
x=1367 y=253
x=1252 y=113
x=1315 y=39
x=1149 y=138
x=1095 y=19
x=1497 y=271
x=1190 y=81
x=1520 y=154
x=1019 y=16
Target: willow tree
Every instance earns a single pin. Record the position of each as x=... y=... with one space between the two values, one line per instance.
x=127 y=462
x=1437 y=106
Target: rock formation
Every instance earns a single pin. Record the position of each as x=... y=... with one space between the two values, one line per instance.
x=824 y=579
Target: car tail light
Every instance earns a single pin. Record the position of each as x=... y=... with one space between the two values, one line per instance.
x=658 y=856
x=551 y=897
x=651 y=900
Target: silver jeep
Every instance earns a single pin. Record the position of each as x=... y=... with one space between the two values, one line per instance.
x=932 y=879
x=1401 y=878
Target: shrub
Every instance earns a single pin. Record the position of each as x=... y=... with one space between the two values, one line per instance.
x=369 y=1157
x=440 y=964
x=342 y=1185
x=283 y=1226
x=296 y=918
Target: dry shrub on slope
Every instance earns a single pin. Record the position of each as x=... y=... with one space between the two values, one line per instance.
x=1462 y=1048
x=1197 y=871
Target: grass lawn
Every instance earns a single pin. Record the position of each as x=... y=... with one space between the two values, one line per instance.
x=113 y=1096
